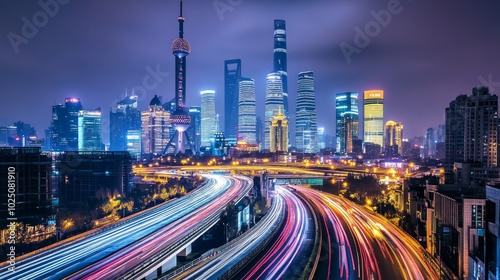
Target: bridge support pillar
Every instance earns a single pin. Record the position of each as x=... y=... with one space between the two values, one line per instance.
x=186 y=251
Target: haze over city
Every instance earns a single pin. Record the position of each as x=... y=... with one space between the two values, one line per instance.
x=425 y=56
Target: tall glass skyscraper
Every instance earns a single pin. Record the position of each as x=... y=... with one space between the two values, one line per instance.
x=232 y=74
x=347 y=120
x=207 y=116
x=280 y=58
x=194 y=130
x=274 y=103
x=64 y=127
x=306 y=128
x=374 y=117
x=89 y=130
x=279 y=134
x=321 y=138
x=247 y=118
x=125 y=126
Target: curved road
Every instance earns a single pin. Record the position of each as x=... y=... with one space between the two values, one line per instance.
x=69 y=257
x=360 y=244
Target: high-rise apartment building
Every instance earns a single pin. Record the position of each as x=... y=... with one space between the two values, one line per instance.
x=232 y=75
x=274 y=103
x=207 y=116
x=347 y=121
x=472 y=129
x=481 y=128
x=393 y=138
x=374 y=117
x=280 y=60
x=279 y=134
x=155 y=128
x=247 y=118
x=89 y=130
x=306 y=128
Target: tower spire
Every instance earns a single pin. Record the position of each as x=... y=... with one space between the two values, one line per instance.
x=181 y=22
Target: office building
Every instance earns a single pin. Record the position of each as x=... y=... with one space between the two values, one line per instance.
x=279 y=134
x=155 y=128
x=232 y=75
x=347 y=121
x=260 y=132
x=125 y=126
x=8 y=135
x=374 y=117
x=274 y=103
x=247 y=118
x=393 y=138
x=280 y=60
x=207 y=116
x=64 y=125
x=84 y=177
x=33 y=200
x=194 y=130
x=306 y=128
x=89 y=130
x=430 y=143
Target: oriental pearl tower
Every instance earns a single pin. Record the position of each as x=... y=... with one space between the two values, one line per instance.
x=180 y=119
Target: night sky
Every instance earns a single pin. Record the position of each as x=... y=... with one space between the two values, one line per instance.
x=425 y=56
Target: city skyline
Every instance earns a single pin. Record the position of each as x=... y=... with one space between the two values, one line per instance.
x=133 y=44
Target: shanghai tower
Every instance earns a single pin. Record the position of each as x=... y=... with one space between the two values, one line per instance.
x=280 y=58
x=180 y=119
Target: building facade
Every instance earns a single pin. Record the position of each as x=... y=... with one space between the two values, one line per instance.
x=64 y=125
x=374 y=117
x=194 y=130
x=306 y=128
x=86 y=176
x=33 y=187
x=247 y=117
x=207 y=116
x=274 y=103
x=347 y=121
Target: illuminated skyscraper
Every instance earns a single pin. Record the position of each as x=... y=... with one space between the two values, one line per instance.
x=155 y=128
x=306 y=129
x=274 y=103
x=374 y=117
x=279 y=134
x=232 y=74
x=247 y=118
x=180 y=119
x=194 y=130
x=393 y=138
x=125 y=126
x=89 y=130
x=280 y=63
x=207 y=116
x=347 y=120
